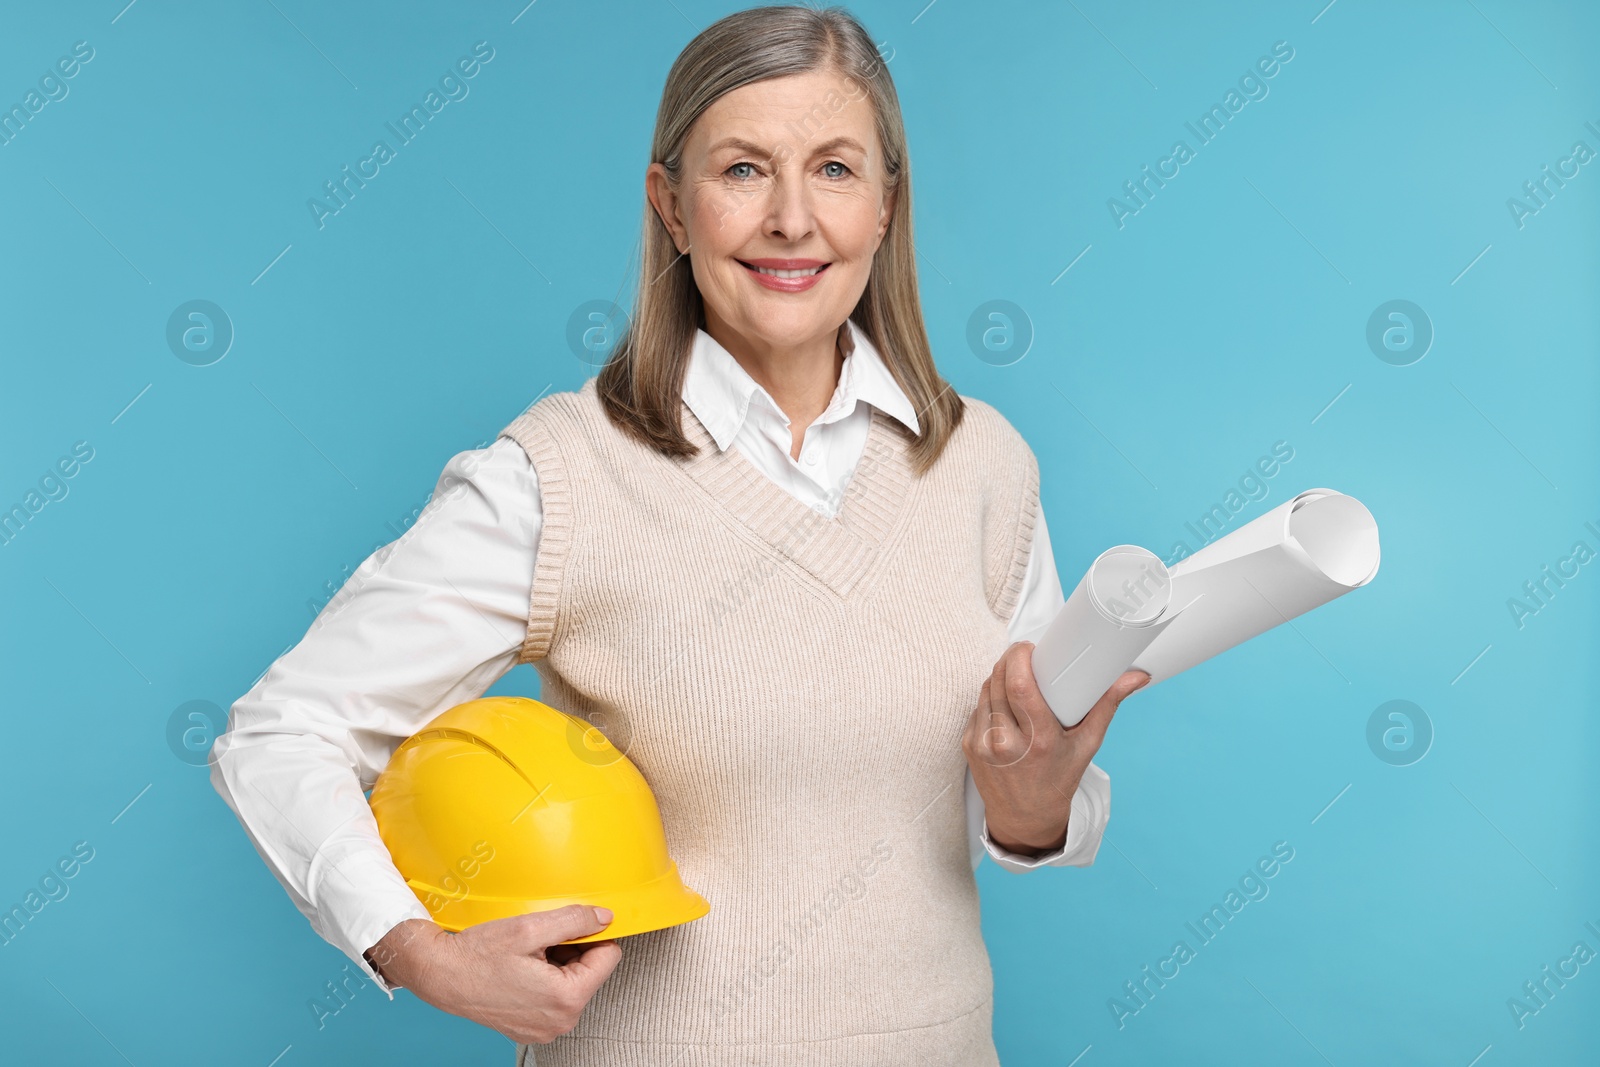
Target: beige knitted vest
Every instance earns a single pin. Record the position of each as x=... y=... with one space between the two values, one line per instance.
x=794 y=689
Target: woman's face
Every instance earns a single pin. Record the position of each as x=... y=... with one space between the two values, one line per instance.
x=787 y=169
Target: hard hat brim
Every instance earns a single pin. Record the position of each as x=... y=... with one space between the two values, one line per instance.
x=655 y=905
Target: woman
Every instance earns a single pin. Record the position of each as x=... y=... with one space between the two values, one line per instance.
x=781 y=563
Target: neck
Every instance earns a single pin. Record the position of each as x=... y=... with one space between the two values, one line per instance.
x=800 y=378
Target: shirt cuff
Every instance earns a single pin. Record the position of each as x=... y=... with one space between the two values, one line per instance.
x=375 y=907
x=1091 y=810
x=357 y=947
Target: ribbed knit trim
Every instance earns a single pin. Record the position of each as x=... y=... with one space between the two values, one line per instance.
x=555 y=534
x=973 y=1028
x=1010 y=586
x=837 y=551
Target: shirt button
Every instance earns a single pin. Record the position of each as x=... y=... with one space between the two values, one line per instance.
x=810 y=457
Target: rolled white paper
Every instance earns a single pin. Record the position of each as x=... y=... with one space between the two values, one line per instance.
x=1119 y=606
x=1303 y=553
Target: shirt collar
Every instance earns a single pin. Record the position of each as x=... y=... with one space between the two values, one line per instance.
x=719 y=391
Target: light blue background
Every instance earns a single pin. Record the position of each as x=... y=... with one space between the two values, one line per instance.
x=1228 y=314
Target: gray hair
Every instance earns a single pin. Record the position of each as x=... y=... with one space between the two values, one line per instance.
x=640 y=385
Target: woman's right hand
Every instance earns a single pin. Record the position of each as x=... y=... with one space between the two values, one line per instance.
x=512 y=975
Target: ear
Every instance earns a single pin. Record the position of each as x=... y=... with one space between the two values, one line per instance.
x=886 y=213
x=665 y=202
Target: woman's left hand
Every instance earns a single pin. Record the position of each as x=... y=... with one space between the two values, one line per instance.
x=1025 y=764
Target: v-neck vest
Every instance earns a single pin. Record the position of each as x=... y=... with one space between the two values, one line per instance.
x=793 y=687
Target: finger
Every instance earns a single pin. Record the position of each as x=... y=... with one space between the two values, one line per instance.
x=1099 y=717
x=1005 y=739
x=995 y=729
x=977 y=739
x=538 y=930
x=1000 y=721
x=593 y=967
x=976 y=721
x=1130 y=681
x=1023 y=696
x=561 y=955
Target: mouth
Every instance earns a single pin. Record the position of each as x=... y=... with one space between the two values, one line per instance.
x=785 y=268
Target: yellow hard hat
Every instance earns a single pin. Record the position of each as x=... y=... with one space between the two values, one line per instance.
x=503 y=805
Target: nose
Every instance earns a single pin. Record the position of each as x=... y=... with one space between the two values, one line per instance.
x=789 y=209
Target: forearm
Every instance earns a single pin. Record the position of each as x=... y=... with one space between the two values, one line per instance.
x=1023 y=847
x=1036 y=829
x=1091 y=809
x=427 y=622
x=301 y=805
x=401 y=955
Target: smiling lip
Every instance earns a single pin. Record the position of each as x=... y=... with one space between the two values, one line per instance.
x=785 y=285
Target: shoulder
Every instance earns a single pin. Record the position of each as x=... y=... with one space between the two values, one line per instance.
x=1007 y=474
x=486 y=462
x=984 y=428
x=549 y=409
x=570 y=423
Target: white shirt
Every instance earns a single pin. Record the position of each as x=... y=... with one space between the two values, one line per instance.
x=434 y=618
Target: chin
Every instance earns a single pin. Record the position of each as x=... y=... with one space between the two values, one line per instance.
x=792 y=327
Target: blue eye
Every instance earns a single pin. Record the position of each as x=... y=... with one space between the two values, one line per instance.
x=743 y=177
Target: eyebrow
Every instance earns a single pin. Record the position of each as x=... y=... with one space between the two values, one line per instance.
x=747 y=146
